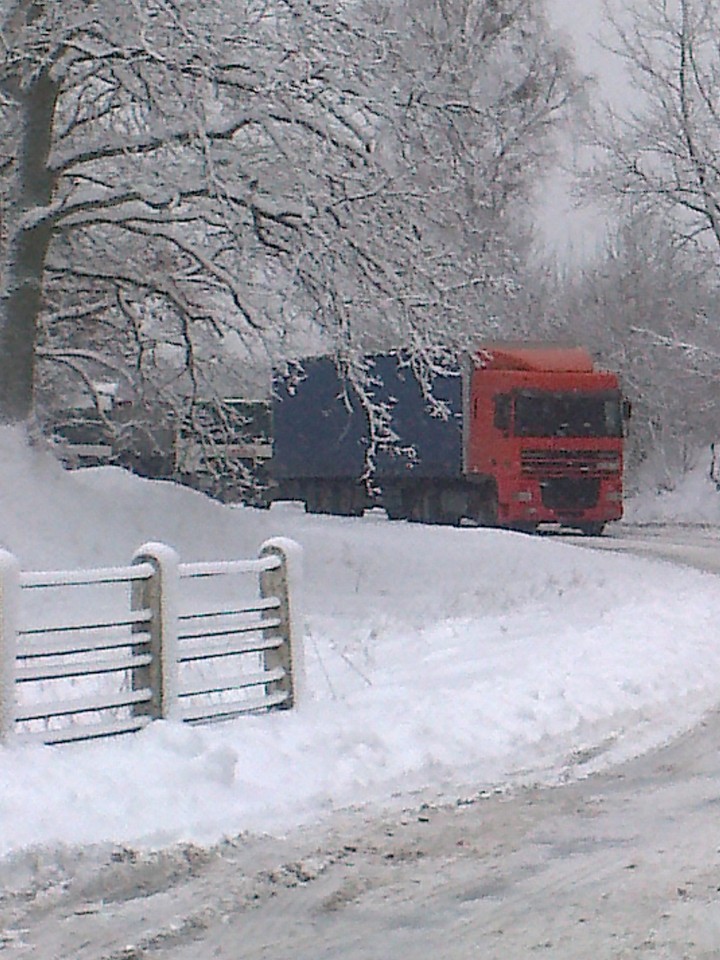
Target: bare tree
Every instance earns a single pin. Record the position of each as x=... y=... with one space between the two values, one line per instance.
x=156 y=156
x=480 y=89
x=175 y=177
x=663 y=151
x=646 y=306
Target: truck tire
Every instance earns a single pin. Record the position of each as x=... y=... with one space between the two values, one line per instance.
x=486 y=512
x=348 y=499
x=531 y=528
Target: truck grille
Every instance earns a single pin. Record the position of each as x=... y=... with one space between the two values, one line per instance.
x=555 y=463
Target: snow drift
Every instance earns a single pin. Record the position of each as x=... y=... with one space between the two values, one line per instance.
x=439 y=662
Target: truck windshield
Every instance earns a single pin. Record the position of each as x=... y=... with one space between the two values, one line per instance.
x=539 y=413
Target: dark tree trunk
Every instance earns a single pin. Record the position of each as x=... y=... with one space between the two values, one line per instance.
x=30 y=232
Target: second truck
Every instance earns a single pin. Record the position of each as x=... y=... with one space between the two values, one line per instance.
x=518 y=436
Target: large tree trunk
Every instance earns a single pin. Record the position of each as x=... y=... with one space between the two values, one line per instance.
x=29 y=238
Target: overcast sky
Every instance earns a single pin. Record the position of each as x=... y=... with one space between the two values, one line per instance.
x=571 y=232
x=583 y=23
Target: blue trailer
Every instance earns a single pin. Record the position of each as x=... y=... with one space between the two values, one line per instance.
x=321 y=439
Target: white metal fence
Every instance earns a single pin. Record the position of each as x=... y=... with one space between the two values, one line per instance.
x=92 y=653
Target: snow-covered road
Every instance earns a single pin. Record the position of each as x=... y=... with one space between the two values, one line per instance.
x=618 y=864
x=694 y=545
x=622 y=864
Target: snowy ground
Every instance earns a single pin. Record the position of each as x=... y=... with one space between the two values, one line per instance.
x=438 y=662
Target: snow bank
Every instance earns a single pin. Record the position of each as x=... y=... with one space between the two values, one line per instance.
x=440 y=661
x=695 y=498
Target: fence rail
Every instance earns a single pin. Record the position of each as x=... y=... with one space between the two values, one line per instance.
x=158 y=652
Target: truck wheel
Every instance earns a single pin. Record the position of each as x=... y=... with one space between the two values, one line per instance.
x=345 y=501
x=482 y=504
x=392 y=501
x=487 y=513
x=432 y=508
x=593 y=529
x=531 y=528
x=315 y=497
x=414 y=505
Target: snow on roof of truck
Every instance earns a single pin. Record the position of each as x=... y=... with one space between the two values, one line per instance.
x=534 y=356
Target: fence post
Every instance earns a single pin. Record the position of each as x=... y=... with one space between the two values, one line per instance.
x=159 y=595
x=9 y=602
x=285 y=582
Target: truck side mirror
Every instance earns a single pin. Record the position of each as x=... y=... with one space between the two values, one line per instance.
x=501 y=418
x=626 y=409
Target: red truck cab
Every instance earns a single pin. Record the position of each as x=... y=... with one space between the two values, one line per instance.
x=546 y=428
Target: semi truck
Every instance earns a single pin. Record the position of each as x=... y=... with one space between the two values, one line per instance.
x=517 y=436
